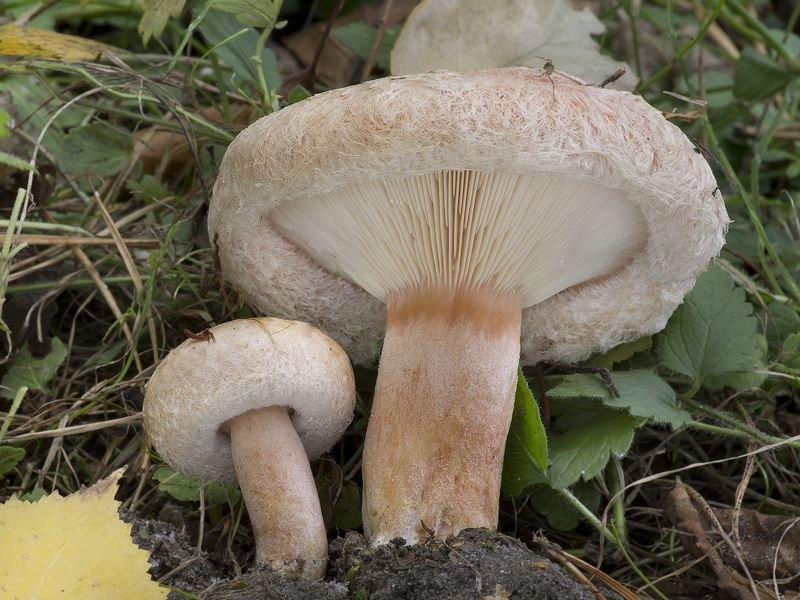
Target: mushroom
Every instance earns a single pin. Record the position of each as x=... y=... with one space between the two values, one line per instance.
x=488 y=217
x=254 y=402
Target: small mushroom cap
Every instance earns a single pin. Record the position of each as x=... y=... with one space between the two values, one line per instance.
x=522 y=127
x=248 y=364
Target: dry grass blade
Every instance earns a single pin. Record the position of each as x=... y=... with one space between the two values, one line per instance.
x=129 y=264
x=57 y=240
x=75 y=429
x=575 y=565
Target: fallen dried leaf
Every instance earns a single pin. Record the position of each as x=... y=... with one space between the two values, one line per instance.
x=767 y=542
x=27 y=41
x=73 y=547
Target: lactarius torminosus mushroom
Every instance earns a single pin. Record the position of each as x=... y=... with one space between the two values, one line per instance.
x=478 y=210
x=253 y=403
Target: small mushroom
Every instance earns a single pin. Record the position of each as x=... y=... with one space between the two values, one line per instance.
x=477 y=219
x=253 y=403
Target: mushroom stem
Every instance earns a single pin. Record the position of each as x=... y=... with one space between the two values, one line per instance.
x=278 y=488
x=442 y=408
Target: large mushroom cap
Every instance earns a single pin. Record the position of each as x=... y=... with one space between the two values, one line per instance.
x=247 y=365
x=592 y=173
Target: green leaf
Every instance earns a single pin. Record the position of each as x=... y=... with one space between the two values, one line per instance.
x=110 y=353
x=619 y=353
x=34 y=373
x=33 y=496
x=526 y=446
x=261 y=14
x=743 y=380
x=585 y=448
x=17 y=163
x=360 y=38
x=581 y=385
x=96 y=148
x=642 y=393
x=187 y=489
x=347 y=510
x=791 y=352
x=150 y=188
x=560 y=513
x=9 y=458
x=782 y=321
x=759 y=76
x=4 y=117
x=155 y=14
x=712 y=332
x=224 y=32
x=298 y=94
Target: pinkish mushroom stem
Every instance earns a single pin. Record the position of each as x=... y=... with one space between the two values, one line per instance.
x=279 y=492
x=443 y=403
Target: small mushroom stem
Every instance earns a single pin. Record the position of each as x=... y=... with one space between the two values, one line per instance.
x=443 y=402
x=278 y=488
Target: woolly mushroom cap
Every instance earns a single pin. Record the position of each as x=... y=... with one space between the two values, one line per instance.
x=247 y=365
x=585 y=201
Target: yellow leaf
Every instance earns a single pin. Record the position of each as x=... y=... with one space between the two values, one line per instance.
x=26 y=41
x=73 y=548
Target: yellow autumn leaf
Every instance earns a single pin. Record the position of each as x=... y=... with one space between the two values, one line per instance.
x=72 y=548
x=27 y=41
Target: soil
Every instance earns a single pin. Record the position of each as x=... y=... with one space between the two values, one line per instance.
x=477 y=564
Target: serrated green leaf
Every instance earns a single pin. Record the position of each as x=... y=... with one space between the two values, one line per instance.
x=360 y=38
x=187 y=489
x=584 y=450
x=33 y=496
x=261 y=14
x=33 y=373
x=526 y=445
x=155 y=14
x=581 y=385
x=642 y=393
x=743 y=380
x=9 y=458
x=96 y=148
x=712 y=332
x=759 y=76
x=223 y=31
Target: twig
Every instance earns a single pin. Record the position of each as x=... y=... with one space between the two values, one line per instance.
x=387 y=7
x=749 y=466
x=306 y=76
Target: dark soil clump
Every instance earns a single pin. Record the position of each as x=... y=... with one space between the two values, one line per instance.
x=477 y=564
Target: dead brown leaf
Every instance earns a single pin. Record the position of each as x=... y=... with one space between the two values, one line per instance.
x=767 y=542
